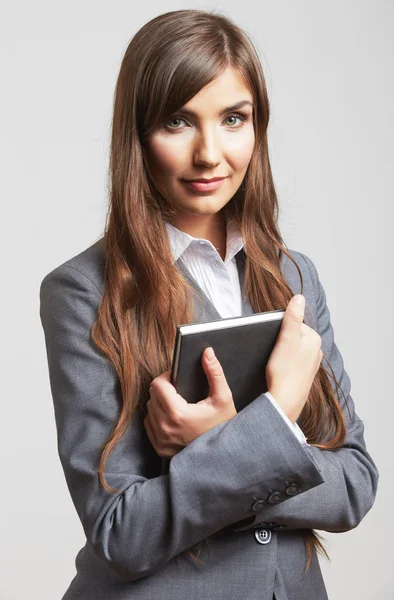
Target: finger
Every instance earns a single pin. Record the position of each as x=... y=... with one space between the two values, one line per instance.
x=168 y=450
x=294 y=314
x=165 y=393
x=163 y=377
x=155 y=406
x=292 y=328
x=217 y=382
x=157 y=414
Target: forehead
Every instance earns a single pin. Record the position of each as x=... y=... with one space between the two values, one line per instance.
x=227 y=89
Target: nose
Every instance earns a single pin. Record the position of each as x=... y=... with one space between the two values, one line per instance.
x=207 y=150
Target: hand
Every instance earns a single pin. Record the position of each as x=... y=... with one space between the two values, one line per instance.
x=294 y=361
x=172 y=423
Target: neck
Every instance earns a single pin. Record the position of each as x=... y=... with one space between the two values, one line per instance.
x=210 y=227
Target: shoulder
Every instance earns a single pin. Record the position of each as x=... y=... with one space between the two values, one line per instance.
x=305 y=264
x=310 y=281
x=87 y=267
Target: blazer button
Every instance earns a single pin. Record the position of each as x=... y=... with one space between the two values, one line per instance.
x=292 y=489
x=263 y=536
x=258 y=505
x=274 y=497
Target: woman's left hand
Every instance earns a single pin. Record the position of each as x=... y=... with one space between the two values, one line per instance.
x=172 y=423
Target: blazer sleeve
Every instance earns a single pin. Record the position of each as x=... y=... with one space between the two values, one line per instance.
x=350 y=475
x=293 y=426
x=220 y=478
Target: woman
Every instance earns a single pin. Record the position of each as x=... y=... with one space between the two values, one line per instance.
x=234 y=515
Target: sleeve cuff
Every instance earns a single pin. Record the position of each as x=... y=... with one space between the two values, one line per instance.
x=293 y=426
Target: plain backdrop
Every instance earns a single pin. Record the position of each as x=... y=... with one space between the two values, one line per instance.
x=330 y=74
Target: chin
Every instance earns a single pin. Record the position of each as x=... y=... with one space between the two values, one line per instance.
x=207 y=205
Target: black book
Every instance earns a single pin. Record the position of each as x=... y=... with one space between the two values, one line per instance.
x=242 y=345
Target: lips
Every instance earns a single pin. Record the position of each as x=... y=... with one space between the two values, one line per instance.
x=205 y=180
x=205 y=186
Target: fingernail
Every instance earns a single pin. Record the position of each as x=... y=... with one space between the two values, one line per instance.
x=210 y=354
x=298 y=299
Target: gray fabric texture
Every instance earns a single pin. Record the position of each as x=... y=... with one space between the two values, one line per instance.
x=136 y=539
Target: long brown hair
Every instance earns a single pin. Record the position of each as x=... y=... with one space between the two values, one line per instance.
x=165 y=64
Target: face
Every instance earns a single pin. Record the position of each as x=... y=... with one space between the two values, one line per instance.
x=204 y=139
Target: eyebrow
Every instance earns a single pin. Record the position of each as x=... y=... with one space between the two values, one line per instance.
x=224 y=110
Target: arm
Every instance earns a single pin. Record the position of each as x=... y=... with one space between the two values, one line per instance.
x=211 y=483
x=350 y=475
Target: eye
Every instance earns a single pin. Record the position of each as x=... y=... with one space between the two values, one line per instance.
x=239 y=116
x=174 y=119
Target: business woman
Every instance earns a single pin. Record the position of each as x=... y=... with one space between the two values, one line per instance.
x=235 y=515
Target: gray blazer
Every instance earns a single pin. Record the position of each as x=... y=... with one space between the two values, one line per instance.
x=248 y=482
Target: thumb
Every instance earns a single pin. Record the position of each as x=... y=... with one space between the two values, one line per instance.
x=294 y=314
x=218 y=386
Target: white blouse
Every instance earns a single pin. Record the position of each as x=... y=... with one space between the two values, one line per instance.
x=219 y=279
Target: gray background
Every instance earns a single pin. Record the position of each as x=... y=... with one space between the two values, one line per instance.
x=329 y=70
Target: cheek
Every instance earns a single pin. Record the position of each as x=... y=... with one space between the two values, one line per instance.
x=240 y=152
x=166 y=158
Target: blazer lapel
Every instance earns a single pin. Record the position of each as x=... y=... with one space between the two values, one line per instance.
x=204 y=309
x=240 y=258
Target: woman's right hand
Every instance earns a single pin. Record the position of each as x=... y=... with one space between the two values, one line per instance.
x=172 y=423
x=294 y=361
